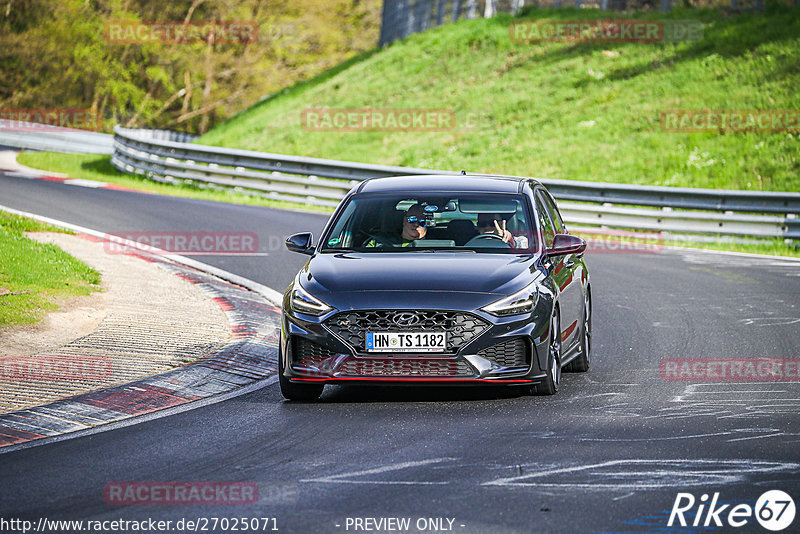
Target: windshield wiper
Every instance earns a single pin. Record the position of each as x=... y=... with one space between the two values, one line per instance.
x=462 y=250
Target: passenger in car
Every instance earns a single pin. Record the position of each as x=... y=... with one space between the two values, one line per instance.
x=494 y=223
x=414 y=227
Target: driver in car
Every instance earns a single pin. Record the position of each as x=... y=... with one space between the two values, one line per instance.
x=493 y=223
x=414 y=227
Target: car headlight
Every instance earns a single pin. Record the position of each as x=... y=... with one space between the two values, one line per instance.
x=302 y=301
x=520 y=302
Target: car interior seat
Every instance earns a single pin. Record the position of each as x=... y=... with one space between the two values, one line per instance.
x=461 y=231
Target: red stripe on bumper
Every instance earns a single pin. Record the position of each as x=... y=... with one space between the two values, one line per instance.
x=399 y=379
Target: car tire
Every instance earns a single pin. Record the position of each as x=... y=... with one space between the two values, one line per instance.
x=550 y=384
x=581 y=363
x=297 y=392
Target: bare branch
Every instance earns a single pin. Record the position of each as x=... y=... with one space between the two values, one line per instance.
x=208 y=108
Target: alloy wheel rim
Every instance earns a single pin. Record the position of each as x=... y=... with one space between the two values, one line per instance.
x=587 y=327
x=555 y=352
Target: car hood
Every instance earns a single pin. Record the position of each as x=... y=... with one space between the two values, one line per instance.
x=496 y=274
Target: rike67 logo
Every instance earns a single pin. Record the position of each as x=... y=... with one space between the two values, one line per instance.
x=774 y=511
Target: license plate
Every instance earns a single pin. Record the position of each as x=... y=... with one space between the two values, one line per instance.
x=406 y=341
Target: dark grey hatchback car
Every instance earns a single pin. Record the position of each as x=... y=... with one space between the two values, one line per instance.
x=438 y=280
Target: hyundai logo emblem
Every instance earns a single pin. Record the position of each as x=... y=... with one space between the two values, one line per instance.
x=406 y=319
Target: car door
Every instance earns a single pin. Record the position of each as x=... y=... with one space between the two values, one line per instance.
x=566 y=271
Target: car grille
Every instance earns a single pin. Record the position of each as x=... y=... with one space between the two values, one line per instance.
x=461 y=327
x=513 y=353
x=309 y=354
x=406 y=367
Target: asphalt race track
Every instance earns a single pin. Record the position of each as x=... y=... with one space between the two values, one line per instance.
x=609 y=453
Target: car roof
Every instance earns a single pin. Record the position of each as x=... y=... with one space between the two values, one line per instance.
x=444 y=182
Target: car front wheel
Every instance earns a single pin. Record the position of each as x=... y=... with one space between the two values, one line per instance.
x=550 y=384
x=297 y=392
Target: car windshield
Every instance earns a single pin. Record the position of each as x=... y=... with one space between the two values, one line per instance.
x=487 y=222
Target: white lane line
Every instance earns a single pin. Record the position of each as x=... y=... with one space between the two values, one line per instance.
x=85 y=183
x=757 y=437
x=725 y=391
x=665 y=438
x=650 y=474
x=273 y=296
x=770 y=321
x=739 y=254
x=340 y=479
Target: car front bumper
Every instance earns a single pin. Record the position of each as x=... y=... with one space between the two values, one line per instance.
x=501 y=350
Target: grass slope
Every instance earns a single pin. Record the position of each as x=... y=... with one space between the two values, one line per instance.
x=34 y=275
x=572 y=111
x=99 y=167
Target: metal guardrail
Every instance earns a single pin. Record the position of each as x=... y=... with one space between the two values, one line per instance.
x=34 y=136
x=168 y=157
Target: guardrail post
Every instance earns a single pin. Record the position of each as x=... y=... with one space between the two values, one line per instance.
x=389 y=22
x=792 y=228
x=440 y=12
x=472 y=9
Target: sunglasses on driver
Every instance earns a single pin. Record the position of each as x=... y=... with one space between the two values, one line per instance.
x=414 y=219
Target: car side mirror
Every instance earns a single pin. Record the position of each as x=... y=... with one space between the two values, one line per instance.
x=300 y=243
x=564 y=244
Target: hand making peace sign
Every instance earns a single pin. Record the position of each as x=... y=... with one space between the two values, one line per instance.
x=502 y=232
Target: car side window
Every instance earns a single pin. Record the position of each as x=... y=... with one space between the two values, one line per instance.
x=544 y=223
x=555 y=216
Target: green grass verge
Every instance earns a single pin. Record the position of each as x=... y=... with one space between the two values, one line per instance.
x=776 y=247
x=98 y=167
x=580 y=111
x=33 y=276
